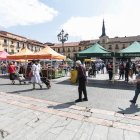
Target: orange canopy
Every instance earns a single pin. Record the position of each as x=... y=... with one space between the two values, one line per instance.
x=23 y=54
x=47 y=53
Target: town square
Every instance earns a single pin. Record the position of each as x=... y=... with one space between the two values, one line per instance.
x=69 y=70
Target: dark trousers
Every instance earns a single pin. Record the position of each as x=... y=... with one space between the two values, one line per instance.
x=137 y=92
x=121 y=74
x=82 y=88
x=110 y=74
x=126 y=76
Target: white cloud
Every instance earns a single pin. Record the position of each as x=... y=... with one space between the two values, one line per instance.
x=124 y=23
x=24 y=12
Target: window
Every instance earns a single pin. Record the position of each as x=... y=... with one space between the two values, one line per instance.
x=123 y=46
x=17 y=44
x=32 y=49
x=68 y=55
x=73 y=49
x=5 y=50
x=117 y=47
x=63 y=49
x=12 y=42
x=58 y=49
x=110 y=47
x=79 y=48
x=17 y=50
x=12 y=51
x=68 y=49
x=103 y=41
x=5 y=42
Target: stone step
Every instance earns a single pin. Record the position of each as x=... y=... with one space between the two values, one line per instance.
x=72 y=111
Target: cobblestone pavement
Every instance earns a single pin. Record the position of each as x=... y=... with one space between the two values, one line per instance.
x=102 y=93
x=26 y=118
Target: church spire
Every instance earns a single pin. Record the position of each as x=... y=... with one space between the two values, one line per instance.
x=103 y=29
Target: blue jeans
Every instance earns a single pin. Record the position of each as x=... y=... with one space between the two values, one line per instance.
x=137 y=91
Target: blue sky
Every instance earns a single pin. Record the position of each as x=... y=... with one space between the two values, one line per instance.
x=42 y=20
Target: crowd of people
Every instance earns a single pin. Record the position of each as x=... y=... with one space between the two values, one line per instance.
x=32 y=71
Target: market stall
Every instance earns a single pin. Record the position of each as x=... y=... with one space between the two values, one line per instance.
x=24 y=53
x=49 y=71
x=131 y=51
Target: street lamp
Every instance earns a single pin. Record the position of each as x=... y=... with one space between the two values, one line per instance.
x=62 y=37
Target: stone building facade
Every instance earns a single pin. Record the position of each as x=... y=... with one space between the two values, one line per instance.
x=12 y=43
x=113 y=44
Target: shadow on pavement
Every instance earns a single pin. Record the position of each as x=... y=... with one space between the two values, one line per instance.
x=19 y=91
x=62 y=106
x=104 y=84
x=27 y=90
x=130 y=110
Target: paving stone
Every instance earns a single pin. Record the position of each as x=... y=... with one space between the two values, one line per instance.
x=67 y=119
x=74 y=125
x=100 y=133
x=104 y=116
x=17 y=125
x=27 y=113
x=53 y=119
x=87 y=133
x=80 y=112
x=100 y=111
x=38 y=131
x=59 y=126
x=66 y=134
x=115 y=134
x=80 y=131
x=5 y=121
x=19 y=134
x=37 y=120
x=70 y=115
x=99 y=121
x=129 y=135
x=130 y=127
x=48 y=136
x=130 y=121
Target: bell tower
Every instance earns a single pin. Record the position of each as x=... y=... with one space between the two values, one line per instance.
x=103 y=38
x=103 y=29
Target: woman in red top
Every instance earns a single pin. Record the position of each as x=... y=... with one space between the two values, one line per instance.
x=12 y=71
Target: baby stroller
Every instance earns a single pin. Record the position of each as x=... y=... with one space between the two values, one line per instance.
x=21 y=78
x=46 y=82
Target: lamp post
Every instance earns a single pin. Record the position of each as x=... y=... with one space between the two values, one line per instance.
x=62 y=37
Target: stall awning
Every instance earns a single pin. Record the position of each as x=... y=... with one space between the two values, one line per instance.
x=24 y=53
x=95 y=50
x=131 y=51
x=3 y=55
x=48 y=53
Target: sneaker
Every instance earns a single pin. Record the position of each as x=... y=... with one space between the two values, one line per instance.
x=78 y=100
x=132 y=102
x=85 y=99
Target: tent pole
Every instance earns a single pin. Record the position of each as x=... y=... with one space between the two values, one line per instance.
x=114 y=62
